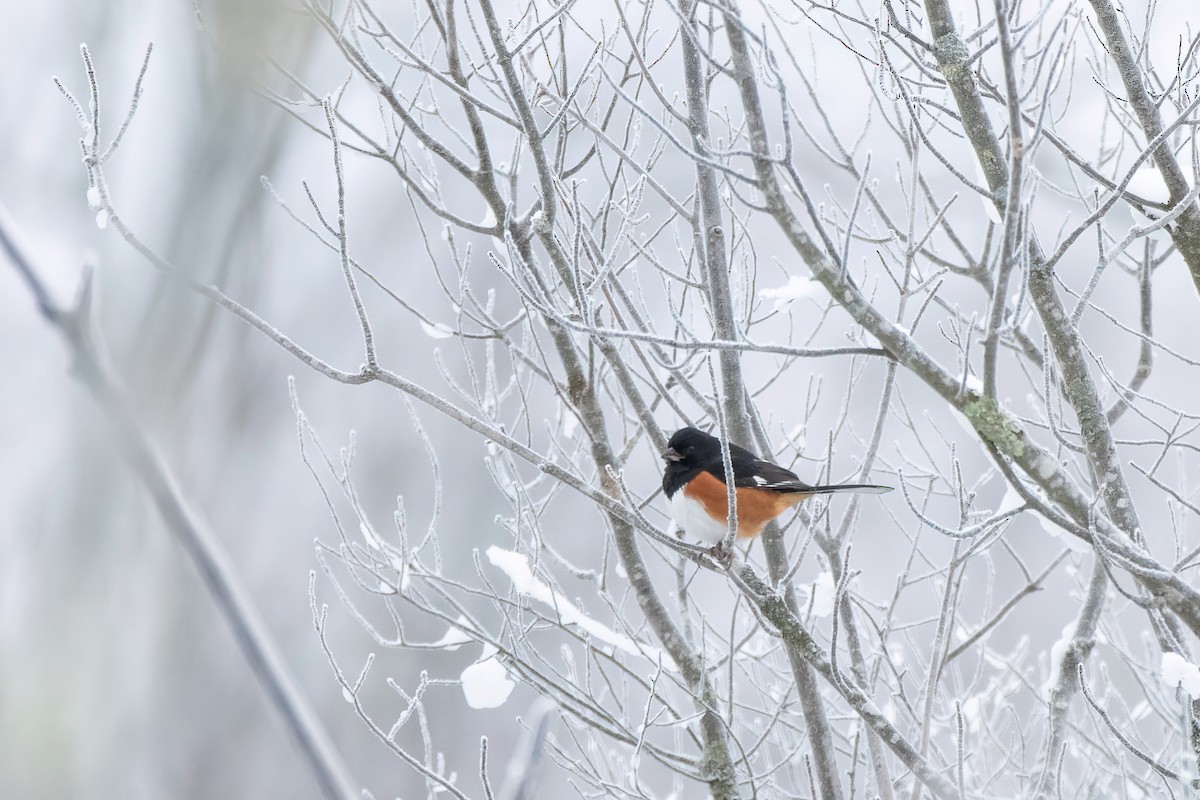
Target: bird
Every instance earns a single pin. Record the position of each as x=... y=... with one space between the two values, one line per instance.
x=696 y=486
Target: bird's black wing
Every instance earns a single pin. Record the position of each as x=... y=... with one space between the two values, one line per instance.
x=751 y=471
x=765 y=474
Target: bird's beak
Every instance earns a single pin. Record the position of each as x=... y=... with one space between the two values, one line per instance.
x=671 y=454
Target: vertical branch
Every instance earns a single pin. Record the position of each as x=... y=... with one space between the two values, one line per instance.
x=1082 y=393
x=1065 y=688
x=816 y=717
x=1186 y=233
x=718 y=763
x=845 y=611
x=343 y=252
x=790 y=628
x=1079 y=385
x=711 y=231
x=938 y=651
x=1013 y=212
x=775 y=551
x=954 y=59
x=717 y=760
x=1145 y=362
x=520 y=102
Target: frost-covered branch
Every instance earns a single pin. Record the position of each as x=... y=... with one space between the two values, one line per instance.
x=818 y=232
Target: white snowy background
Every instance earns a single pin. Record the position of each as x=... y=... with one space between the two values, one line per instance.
x=117 y=679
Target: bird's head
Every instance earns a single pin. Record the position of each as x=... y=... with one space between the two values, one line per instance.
x=688 y=446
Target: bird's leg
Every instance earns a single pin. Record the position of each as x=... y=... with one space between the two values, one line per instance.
x=722 y=554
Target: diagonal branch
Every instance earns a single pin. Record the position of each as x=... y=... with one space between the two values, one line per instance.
x=186 y=525
x=1186 y=232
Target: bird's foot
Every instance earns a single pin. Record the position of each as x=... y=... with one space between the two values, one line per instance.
x=722 y=553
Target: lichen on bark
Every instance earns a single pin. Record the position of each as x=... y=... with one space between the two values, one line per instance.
x=995 y=426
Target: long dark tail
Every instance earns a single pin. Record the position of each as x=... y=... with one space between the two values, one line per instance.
x=839 y=488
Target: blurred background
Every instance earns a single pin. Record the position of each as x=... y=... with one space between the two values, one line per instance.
x=117 y=677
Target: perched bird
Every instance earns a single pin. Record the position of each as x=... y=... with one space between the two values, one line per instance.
x=695 y=483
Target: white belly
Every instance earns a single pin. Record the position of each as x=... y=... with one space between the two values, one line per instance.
x=693 y=520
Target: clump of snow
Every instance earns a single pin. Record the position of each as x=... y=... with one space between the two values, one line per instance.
x=486 y=683
x=537 y=220
x=1046 y=467
x=102 y=218
x=368 y=535
x=1179 y=672
x=796 y=288
x=93 y=197
x=569 y=423
x=1057 y=652
x=386 y=588
x=1148 y=184
x=516 y=566
x=972 y=712
x=436 y=330
x=822 y=594
x=989 y=207
x=1012 y=500
x=454 y=637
